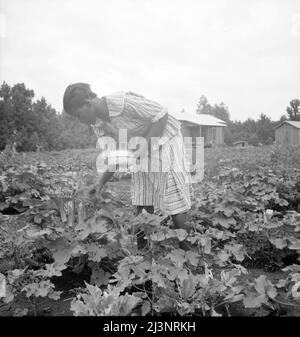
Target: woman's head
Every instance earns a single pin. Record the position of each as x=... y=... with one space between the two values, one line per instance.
x=79 y=100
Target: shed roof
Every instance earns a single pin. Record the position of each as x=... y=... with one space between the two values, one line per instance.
x=199 y=119
x=296 y=124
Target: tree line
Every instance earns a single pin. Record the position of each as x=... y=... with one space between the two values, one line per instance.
x=259 y=131
x=30 y=125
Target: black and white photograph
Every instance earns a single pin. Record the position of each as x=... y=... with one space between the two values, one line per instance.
x=149 y=162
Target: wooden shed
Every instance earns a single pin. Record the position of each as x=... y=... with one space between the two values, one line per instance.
x=202 y=125
x=288 y=133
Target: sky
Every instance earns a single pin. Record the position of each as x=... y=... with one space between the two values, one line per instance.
x=245 y=53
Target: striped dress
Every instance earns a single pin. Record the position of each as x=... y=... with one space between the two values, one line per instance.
x=168 y=188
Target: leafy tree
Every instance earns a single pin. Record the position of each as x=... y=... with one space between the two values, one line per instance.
x=6 y=123
x=218 y=110
x=269 y=141
x=33 y=142
x=221 y=111
x=35 y=125
x=228 y=136
x=203 y=107
x=294 y=110
x=265 y=129
x=254 y=140
x=16 y=113
x=49 y=127
x=250 y=126
x=283 y=118
x=254 y=131
x=75 y=134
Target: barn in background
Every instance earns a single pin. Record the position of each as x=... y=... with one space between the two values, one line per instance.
x=288 y=133
x=201 y=125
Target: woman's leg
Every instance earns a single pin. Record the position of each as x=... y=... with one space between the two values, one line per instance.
x=179 y=220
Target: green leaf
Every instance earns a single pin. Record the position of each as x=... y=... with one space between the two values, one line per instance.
x=226 y=210
x=18 y=312
x=35 y=233
x=159 y=236
x=279 y=243
x=234 y=298
x=215 y=314
x=38 y=219
x=97 y=224
x=95 y=252
x=272 y=292
x=63 y=255
x=99 y=276
x=228 y=278
x=254 y=301
x=281 y=283
x=294 y=268
x=95 y=297
x=181 y=234
x=223 y=256
x=146 y=307
x=9 y=295
x=261 y=283
x=189 y=287
x=127 y=303
x=51 y=270
x=166 y=304
x=224 y=222
x=170 y=233
x=295 y=290
x=207 y=245
x=192 y=258
x=55 y=295
x=177 y=257
x=13 y=275
x=295 y=244
x=3 y=206
x=183 y=275
x=158 y=279
x=80 y=308
x=38 y=289
x=2 y=285
x=265 y=286
x=237 y=250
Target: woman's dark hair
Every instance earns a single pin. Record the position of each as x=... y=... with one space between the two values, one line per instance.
x=76 y=95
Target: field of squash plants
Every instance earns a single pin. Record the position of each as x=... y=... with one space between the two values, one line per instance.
x=61 y=256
